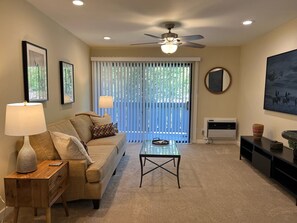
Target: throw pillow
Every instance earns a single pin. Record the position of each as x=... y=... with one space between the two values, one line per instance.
x=115 y=126
x=69 y=147
x=85 y=146
x=101 y=120
x=100 y=131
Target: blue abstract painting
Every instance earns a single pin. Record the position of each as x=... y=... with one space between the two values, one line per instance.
x=281 y=83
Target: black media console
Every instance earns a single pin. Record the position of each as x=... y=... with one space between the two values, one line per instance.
x=278 y=165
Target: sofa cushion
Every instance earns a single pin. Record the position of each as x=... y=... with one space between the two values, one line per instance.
x=63 y=126
x=105 y=158
x=88 y=113
x=118 y=140
x=44 y=147
x=69 y=147
x=101 y=120
x=82 y=124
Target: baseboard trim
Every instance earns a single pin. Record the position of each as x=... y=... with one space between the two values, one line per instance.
x=203 y=141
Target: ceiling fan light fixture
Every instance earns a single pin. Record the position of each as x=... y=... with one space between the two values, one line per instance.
x=169 y=48
x=78 y=2
x=169 y=39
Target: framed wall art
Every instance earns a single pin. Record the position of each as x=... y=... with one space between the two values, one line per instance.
x=35 y=72
x=67 y=82
x=281 y=83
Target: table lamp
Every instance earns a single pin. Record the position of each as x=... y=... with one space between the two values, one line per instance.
x=105 y=102
x=25 y=119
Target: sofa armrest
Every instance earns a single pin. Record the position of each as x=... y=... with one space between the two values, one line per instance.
x=77 y=169
x=77 y=180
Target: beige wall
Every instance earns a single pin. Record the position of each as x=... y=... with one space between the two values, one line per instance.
x=244 y=100
x=20 y=21
x=252 y=82
x=209 y=105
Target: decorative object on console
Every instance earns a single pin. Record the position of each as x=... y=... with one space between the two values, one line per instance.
x=281 y=94
x=291 y=136
x=67 y=82
x=105 y=102
x=277 y=146
x=293 y=146
x=25 y=119
x=35 y=72
x=218 y=80
x=258 y=131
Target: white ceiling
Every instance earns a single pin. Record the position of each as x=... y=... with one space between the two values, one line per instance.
x=126 y=21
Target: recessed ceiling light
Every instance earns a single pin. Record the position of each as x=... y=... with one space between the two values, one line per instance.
x=78 y=2
x=247 y=22
x=106 y=38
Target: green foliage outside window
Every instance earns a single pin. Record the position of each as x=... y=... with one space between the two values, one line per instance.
x=168 y=83
x=37 y=82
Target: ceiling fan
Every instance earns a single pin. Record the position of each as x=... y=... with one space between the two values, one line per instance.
x=170 y=41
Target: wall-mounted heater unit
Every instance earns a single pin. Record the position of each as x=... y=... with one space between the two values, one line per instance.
x=219 y=128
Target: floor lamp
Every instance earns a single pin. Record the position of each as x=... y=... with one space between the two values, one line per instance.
x=25 y=119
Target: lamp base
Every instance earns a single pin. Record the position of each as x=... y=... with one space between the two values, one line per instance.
x=26 y=161
x=107 y=116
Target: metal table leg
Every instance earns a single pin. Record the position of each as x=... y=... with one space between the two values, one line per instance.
x=141 y=166
x=177 y=171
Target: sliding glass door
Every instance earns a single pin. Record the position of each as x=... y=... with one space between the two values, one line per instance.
x=151 y=99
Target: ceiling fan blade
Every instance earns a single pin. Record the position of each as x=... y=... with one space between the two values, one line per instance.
x=158 y=37
x=135 y=44
x=193 y=45
x=191 y=37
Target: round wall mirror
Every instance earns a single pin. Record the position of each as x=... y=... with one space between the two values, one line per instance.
x=218 y=80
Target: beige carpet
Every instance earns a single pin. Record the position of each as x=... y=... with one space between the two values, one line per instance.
x=215 y=187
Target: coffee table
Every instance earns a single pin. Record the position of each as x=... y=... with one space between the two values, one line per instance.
x=149 y=151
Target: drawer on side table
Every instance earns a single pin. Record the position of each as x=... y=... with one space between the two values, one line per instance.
x=57 y=185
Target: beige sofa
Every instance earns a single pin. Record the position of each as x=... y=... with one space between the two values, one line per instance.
x=85 y=181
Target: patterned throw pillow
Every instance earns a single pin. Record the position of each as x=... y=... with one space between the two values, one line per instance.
x=115 y=126
x=100 y=131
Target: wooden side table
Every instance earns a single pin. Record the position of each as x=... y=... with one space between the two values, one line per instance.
x=39 y=189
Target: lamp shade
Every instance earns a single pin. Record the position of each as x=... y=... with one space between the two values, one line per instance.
x=169 y=47
x=105 y=102
x=24 y=119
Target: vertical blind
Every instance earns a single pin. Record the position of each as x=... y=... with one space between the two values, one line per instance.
x=151 y=99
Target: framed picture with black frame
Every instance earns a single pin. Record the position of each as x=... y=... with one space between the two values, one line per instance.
x=281 y=83
x=35 y=70
x=67 y=82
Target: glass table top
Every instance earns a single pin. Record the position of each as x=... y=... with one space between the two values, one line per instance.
x=148 y=148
